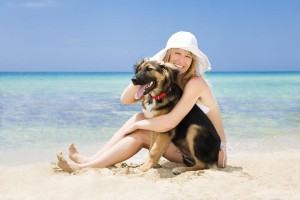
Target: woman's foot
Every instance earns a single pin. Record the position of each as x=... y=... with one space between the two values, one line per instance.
x=75 y=156
x=64 y=165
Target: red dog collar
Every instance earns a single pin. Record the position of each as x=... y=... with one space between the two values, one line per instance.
x=162 y=95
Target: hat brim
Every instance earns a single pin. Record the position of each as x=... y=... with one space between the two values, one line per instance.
x=203 y=62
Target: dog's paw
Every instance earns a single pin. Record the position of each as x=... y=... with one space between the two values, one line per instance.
x=145 y=167
x=176 y=171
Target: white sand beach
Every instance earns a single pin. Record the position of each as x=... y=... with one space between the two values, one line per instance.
x=252 y=176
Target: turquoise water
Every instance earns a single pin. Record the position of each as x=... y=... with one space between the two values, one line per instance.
x=41 y=113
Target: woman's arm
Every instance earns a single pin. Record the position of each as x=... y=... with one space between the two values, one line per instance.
x=163 y=123
x=128 y=94
x=215 y=116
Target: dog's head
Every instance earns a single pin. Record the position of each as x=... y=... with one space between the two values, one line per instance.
x=154 y=77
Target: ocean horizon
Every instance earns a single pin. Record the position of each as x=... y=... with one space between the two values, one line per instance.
x=43 y=112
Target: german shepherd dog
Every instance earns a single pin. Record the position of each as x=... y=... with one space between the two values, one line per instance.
x=195 y=136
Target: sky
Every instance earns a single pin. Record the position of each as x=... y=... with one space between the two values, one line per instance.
x=112 y=35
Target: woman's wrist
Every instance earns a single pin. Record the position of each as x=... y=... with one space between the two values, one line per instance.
x=223 y=145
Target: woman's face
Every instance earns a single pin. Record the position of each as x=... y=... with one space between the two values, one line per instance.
x=182 y=58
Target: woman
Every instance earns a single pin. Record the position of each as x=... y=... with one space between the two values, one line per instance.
x=181 y=50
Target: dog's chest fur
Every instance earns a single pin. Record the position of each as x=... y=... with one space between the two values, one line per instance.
x=153 y=107
x=149 y=108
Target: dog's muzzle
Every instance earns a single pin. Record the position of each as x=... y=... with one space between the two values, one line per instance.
x=134 y=80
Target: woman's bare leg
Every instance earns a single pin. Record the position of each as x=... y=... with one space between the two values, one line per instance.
x=121 y=151
x=77 y=158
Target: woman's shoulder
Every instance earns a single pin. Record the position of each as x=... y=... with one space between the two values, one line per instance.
x=196 y=85
x=198 y=81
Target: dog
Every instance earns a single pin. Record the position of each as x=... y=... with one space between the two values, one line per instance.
x=195 y=136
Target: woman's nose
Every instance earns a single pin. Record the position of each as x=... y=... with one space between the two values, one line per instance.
x=180 y=60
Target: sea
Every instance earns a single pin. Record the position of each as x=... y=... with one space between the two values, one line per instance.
x=43 y=113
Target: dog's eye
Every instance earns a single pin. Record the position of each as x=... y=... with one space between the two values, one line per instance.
x=149 y=69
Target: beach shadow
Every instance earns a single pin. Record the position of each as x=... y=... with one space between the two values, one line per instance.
x=162 y=171
x=233 y=169
x=230 y=169
x=165 y=171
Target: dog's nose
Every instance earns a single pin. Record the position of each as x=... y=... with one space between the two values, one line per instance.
x=134 y=80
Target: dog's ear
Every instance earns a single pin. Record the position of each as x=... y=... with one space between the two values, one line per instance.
x=137 y=65
x=175 y=74
x=173 y=70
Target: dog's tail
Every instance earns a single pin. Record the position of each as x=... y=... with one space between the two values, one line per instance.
x=206 y=144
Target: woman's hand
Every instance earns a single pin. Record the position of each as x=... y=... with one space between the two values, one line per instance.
x=144 y=124
x=133 y=127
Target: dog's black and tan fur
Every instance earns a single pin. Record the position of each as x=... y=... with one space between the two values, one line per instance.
x=194 y=135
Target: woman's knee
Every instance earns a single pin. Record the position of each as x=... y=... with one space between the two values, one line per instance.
x=138 y=116
x=141 y=136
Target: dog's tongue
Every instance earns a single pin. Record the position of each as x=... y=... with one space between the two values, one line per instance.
x=140 y=92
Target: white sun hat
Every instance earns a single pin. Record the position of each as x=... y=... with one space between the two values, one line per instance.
x=186 y=41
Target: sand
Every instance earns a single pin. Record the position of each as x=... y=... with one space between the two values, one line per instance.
x=252 y=176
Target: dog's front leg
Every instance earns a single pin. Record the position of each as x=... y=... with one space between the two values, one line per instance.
x=158 y=149
x=153 y=137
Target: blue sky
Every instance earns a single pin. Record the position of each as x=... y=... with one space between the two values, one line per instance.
x=112 y=35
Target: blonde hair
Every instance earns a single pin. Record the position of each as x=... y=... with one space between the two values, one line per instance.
x=191 y=72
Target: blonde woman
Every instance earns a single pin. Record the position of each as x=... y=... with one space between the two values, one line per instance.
x=181 y=50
